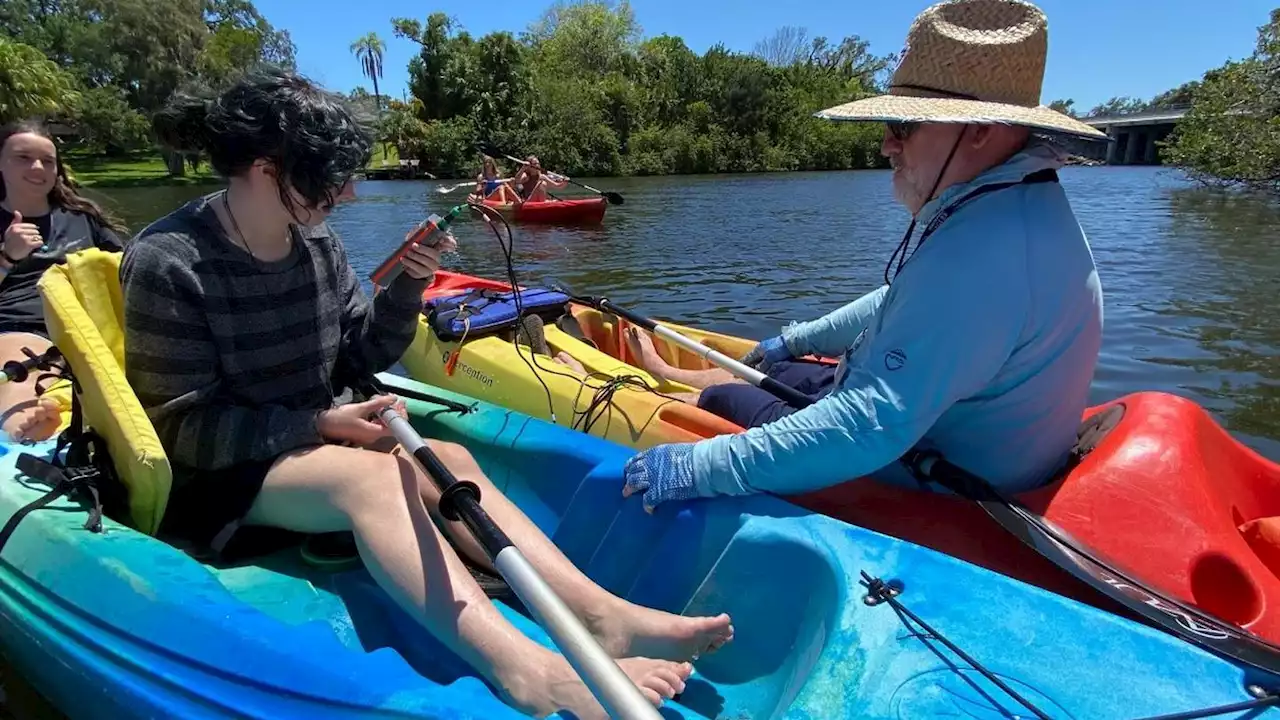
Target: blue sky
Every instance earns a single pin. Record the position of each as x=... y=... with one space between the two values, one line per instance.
x=1097 y=48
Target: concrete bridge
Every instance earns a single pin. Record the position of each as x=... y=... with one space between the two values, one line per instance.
x=1134 y=136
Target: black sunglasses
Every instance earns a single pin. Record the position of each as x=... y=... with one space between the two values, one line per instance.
x=902 y=130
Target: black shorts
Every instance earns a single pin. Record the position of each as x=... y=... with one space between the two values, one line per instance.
x=206 y=507
x=749 y=406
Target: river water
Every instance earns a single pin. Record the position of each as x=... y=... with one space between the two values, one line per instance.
x=1191 y=276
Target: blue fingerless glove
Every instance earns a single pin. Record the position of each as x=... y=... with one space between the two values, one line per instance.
x=662 y=473
x=766 y=353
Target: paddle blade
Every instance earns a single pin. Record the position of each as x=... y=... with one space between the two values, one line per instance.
x=613 y=198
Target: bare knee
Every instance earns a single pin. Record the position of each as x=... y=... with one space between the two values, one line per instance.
x=378 y=484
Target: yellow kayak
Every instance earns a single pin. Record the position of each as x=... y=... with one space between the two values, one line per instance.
x=613 y=399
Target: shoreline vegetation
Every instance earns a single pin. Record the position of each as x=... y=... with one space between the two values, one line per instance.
x=581 y=87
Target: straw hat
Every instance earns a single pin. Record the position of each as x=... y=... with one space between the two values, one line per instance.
x=971 y=61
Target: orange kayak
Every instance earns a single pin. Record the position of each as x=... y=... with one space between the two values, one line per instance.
x=1164 y=494
x=583 y=211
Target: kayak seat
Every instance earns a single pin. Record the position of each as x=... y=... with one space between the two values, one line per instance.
x=84 y=313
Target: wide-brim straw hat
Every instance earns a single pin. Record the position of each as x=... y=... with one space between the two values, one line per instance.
x=971 y=61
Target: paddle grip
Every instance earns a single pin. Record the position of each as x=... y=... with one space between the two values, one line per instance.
x=790 y=395
x=459 y=499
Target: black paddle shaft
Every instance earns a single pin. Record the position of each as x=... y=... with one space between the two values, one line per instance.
x=1054 y=544
x=782 y=391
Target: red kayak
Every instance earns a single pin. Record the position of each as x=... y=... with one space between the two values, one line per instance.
x=1161 y=492
x=584 y=211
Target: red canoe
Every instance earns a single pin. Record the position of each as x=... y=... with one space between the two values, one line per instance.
x=1165 y=495
x=584 y=211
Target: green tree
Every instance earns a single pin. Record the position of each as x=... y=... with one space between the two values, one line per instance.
x=1120 y=105
x=32 y=85
x=1066 y=107
x=582 y=89
x=1231 y=133
x=368 y=51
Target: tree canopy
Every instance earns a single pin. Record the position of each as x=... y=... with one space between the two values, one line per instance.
x=1231 y=134
x=586 y=92
x=114 y=62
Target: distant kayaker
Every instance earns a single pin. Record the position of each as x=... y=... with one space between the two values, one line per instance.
x=533 y=181
x=42 y=220
x=490 y=185
x=243 y=316
x=983 y=341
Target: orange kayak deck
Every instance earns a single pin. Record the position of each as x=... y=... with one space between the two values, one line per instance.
x=1167 y=496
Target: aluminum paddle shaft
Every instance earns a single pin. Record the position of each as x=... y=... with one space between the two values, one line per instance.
x=460 y=500
x=790 y=395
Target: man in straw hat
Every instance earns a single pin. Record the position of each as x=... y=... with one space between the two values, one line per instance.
x=983 y=340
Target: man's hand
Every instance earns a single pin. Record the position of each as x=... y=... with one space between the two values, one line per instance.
x=357 y=423
x=21 y=238
x=766 y=353
x=662 y=473
x=423 y=262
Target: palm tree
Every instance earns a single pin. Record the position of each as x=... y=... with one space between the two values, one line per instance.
x=368 y=50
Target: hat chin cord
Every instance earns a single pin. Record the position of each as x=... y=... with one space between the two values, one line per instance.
x=900 y=254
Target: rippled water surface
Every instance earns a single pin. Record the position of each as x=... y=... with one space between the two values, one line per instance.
x=1191 y=276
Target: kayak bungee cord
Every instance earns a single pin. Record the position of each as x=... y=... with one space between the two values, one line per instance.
x=603 y=396
x=460 y=501
x=880 y=592
x=485 y=213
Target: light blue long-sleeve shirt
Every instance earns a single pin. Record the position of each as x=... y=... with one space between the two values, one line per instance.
x=983 y=348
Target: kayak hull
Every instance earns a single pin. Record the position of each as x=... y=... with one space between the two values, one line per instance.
x=122 y=625
x=581 y=211
x=1167 y=496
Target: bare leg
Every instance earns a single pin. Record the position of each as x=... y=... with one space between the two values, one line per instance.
x=623 y=628
x=651 y=362
x=377 y=496
x=565 y=358
x=23 y=414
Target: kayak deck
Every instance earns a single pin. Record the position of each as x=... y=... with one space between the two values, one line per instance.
x=132 y=627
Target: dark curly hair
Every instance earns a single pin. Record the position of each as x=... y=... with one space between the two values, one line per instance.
x=63 y=194
x=308 y=134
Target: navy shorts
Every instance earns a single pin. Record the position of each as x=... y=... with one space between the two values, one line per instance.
x=749 y=406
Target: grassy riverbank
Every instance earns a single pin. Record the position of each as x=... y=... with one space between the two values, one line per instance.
x=148 y=169
x=135 y=170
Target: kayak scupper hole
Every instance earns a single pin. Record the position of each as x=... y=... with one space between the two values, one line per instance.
x=1221 y=588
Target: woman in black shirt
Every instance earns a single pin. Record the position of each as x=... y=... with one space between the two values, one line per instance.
x=43 y=220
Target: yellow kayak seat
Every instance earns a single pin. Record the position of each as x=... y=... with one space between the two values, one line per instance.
x=84 y=314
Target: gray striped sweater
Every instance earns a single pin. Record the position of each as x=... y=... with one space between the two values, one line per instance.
x=232 y=358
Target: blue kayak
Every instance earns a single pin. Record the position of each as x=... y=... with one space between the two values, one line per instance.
x=119 y=624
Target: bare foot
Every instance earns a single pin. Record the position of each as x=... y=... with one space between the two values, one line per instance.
x=35 y=423
x=565 y=358
x=553 y=685
x=630 y=630
x=642 y=348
